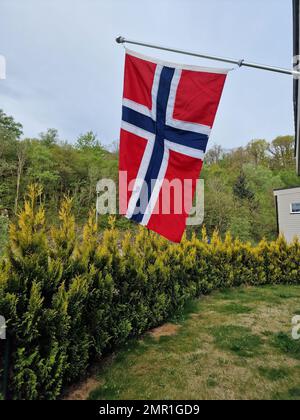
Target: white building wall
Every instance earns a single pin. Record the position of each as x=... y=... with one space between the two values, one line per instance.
x=289 y=224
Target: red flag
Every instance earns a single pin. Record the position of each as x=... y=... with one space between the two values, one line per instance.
x=168 y=113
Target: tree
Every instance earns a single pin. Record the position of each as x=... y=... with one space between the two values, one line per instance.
x=115 y=148
x=88 y=140
x=241 y=189
x=214 y=155
x=50 y=137
x=282 y=150
x=219 y=205
x=240 y=224
x=237 y=158
x=8 y=126
x=42 y=167
x=22 y=156
x=10 y=132
x=38 y=303
x=257 y=150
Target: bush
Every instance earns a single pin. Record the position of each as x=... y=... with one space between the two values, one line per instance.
x=67 y=298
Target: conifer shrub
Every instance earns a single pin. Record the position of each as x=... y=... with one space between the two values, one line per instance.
x=68 y=297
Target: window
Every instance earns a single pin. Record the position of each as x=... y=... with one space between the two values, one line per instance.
x=295 y=208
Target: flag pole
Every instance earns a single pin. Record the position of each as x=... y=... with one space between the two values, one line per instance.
x=240 y=63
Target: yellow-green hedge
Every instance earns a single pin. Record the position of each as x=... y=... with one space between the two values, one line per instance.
x=68 y=297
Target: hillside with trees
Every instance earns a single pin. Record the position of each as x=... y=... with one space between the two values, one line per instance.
x=239 y=183
x=239 y=186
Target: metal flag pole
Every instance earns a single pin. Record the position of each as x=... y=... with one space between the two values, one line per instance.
x=240 y=63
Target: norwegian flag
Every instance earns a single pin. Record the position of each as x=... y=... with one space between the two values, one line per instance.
x=168 y=113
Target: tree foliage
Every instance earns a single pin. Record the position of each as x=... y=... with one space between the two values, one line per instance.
x=68 y=297
x=60 y=167
x=238 y=183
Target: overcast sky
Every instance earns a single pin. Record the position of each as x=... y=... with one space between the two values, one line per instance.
x=65 y=71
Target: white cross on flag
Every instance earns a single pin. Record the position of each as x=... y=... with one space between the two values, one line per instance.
x=168 y=114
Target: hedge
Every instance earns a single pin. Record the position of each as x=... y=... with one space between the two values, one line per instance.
x=67 y=297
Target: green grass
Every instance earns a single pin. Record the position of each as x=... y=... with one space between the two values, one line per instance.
x=273 y=374
x=234 y=308
x=287 y=345
x=291 y=394
x=237 y=339
x=234 y=344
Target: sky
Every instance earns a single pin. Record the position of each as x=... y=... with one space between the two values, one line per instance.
x=65 y=70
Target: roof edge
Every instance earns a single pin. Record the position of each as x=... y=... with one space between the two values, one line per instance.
x=285 y=189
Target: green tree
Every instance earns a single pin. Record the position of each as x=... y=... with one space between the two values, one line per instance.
x=257 y=150
x=88 y=140
x=9 y=127
x=10 y=132
x=22 y=149
x=282 y=150
x=241 y=189
x=35 y=307
x=42 y=167
x=219 y=204
x=50 y=137
x=214 y=155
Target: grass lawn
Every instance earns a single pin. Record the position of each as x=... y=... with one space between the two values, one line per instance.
x=234 y=344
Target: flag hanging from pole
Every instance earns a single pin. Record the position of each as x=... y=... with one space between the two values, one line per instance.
x=167 y=116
